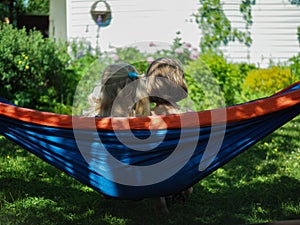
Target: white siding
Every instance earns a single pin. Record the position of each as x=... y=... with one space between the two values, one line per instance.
x=136 y=21
x=58 y=20
x=274 y=31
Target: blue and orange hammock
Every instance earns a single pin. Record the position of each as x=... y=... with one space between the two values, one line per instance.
x=139 y=157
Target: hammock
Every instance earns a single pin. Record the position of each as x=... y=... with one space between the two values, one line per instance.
x=139 y=157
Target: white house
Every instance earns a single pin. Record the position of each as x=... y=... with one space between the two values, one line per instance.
x=274 y=31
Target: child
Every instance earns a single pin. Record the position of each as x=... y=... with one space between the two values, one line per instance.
x=114 y=79
x=166 y=86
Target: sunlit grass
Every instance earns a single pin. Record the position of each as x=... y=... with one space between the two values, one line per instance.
x=260 y=185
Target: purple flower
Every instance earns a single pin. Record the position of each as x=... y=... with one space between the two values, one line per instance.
x=115 y=57
x=187 y=45
x=179 y=50
x=194 y=54
x=150 y=59
x=151 y=44
x=80 y=55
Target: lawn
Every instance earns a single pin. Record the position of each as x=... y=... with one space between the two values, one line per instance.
x=260 y=185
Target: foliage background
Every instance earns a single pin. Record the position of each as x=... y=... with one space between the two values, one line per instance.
x=261 y=185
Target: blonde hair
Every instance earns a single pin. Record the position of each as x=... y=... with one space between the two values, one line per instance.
x=172 y=70
x=114 y=79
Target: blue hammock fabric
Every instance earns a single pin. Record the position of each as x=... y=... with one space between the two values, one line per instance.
x=98 y=158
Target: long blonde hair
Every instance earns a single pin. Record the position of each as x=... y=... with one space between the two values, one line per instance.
x=114 y=79
x=172 y=70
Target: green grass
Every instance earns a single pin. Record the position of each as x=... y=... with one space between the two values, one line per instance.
x=260 y=185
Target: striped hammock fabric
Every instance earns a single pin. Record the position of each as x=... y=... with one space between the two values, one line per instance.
x=140 y=157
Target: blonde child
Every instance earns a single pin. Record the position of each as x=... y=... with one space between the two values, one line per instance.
x=166 y=85
x=114 y=79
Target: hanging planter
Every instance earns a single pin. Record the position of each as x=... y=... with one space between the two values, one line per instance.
x=101 y=13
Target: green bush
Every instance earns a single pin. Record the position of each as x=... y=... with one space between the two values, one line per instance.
x=230 y=76
x=199 y=77
x=32 y=69
x=83 y=72
x=133 y=56
x=264 y=82
x=214 y=82
x=295 y=66
x=40 y=73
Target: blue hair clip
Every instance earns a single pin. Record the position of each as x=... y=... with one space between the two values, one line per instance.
x=133 y=75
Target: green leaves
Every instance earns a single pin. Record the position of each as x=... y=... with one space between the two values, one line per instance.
x=216 y=28
x=295 y=2
x=213 y=82
x=38 y=7
x=29 y=66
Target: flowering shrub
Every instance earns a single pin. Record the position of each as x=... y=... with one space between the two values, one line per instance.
x=183 y=51
x=32 y=69
x=263 y=82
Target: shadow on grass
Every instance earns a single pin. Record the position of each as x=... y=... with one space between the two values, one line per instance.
x=29 y=202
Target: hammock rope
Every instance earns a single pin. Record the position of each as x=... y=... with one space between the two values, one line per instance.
x=91 y=151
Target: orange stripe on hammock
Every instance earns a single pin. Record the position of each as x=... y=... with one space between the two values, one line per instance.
x=233 y=114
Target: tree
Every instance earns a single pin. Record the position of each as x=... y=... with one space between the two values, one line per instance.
x=38 y=7
x=216 y=27
x=297 y=3
x=11 y=9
